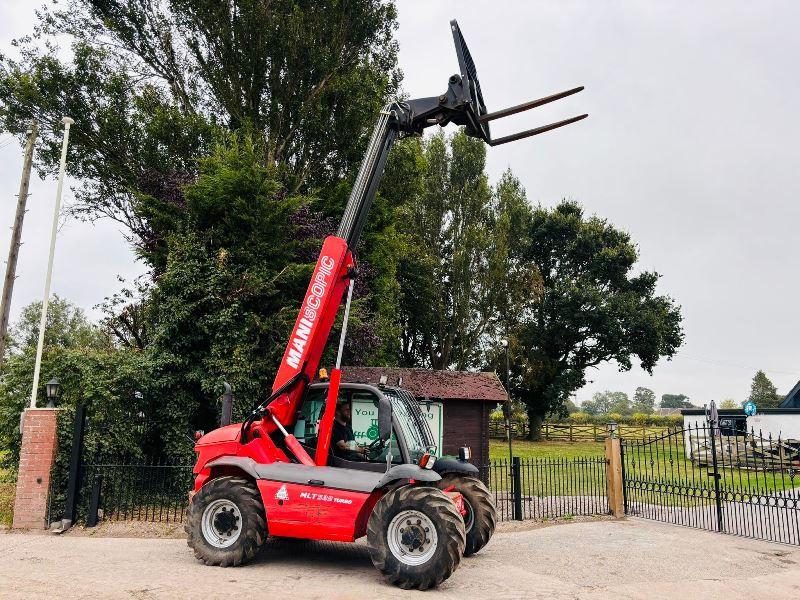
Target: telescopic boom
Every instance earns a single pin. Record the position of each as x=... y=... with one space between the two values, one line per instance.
x=462 y=104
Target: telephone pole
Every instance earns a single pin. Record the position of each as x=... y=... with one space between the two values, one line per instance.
x=16 y=234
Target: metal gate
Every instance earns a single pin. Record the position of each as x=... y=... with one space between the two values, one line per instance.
x=723 y=480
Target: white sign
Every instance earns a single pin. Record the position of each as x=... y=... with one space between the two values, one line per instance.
x=433 y=414
x=365 y=421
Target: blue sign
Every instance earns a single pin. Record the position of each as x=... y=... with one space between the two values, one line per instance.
x=750 y=408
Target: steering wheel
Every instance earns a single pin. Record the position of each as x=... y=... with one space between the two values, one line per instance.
x=375 y=448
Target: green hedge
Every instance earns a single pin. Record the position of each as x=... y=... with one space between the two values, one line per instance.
x=585 y=418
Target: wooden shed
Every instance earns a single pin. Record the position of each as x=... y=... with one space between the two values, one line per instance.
x=457 y=403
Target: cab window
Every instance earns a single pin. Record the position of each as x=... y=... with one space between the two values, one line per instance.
x=364 y=422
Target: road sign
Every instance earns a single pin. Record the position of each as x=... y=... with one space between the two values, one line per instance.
x=750 y=408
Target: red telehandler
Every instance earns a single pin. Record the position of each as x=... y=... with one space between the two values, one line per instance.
x=278 y=474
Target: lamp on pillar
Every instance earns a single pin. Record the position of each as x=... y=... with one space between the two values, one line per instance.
x=52 y=390
x=612 y=428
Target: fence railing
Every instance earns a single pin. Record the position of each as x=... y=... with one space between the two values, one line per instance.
x=156 y=492
x=745 y=484
x=574 y=432
x=538 y=488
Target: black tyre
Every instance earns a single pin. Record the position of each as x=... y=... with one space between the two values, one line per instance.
x=416 y=537
x=481 y=517
x=226 y=525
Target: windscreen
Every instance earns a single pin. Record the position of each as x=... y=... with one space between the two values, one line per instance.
x=415 y=428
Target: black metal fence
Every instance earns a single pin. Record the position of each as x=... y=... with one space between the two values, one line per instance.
x=152 y=491
x=699 y=476
x=547 y=488
x=525 y=489
x=115 y=488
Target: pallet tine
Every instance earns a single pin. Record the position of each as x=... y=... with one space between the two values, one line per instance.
x=536 y=131
x=505 y=112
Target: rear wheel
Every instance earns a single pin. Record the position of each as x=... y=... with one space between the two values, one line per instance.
x=226 y=524
x=481 y=517
x=416 y=537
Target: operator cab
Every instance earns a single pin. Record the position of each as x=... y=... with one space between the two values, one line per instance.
x=407 y=444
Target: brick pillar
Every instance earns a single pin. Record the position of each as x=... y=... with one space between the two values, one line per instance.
x=36 y=457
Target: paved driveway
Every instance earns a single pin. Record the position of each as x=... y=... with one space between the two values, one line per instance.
x=603 y=559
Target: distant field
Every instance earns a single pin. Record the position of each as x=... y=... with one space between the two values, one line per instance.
x=498 y=449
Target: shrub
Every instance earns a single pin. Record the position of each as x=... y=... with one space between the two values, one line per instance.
x=580 y=417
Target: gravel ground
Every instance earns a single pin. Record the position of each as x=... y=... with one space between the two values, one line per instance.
x=623 y=559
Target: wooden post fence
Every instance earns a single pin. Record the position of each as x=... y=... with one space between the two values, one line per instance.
x=616 y=504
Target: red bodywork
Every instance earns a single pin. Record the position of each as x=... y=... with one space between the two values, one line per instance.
x=296 y=510
x=315 y=513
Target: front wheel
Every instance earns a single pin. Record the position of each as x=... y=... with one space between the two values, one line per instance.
x=481 y=517
x=416 y=537
x=226 y=525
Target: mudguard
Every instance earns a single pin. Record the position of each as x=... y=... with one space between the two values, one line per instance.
x=453 y=465
x=408 y=472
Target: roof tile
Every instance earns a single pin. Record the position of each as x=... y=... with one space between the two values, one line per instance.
x=453 y=385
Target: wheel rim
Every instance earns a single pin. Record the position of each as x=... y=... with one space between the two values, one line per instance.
x=412 y=537
x=469 y=518
x=221 y=523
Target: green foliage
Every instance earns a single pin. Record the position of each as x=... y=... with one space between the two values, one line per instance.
x=153 y=84
x=226 y=301
x=7 y=493
x=730 y=403
x=580 y=417
x=111 y=383
x=608 y=402
x=763 y=392
x=66 y=327
x=644 y=400
x=594 y=308
x=461 y=274
x=675 y=401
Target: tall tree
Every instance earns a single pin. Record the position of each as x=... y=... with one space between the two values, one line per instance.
x=763 y=392
x=675 y=401
x=153 y=83
x=644 y=400
x=603 y=403
x=595 y=308
x=461 y=275
x=66 y=327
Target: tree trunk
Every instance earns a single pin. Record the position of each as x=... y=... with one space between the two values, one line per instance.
x=535 y=420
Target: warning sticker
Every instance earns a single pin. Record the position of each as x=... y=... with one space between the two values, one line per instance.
x=282 y=494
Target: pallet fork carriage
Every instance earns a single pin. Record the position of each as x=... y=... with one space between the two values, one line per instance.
x=276 y=473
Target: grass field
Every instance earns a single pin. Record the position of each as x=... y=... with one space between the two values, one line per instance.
x=668 y=464
x=498 y=449
x=552 y=468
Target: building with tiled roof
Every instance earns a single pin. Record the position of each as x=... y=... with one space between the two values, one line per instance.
x=458 y=402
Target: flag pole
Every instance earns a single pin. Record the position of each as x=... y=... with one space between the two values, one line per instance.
x=46 y=300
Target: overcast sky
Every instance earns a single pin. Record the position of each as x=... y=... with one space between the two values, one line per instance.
x=691 y=145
